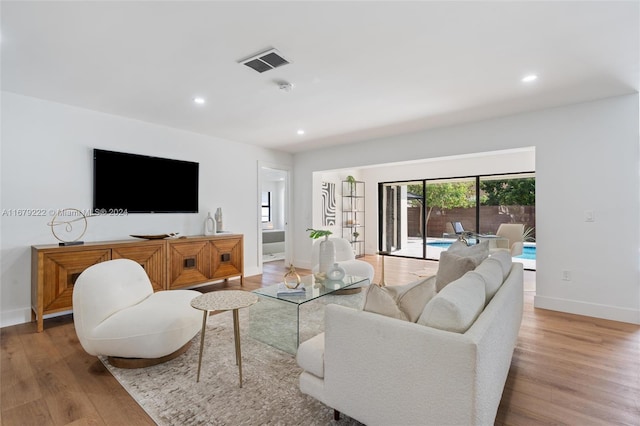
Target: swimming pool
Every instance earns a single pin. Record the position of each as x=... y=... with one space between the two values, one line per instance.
x=528 y=252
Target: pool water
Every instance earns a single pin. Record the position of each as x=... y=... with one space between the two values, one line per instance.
x=440 y=244
x=528 y=252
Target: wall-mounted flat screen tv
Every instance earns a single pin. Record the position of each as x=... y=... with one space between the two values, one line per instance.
x=135 y=183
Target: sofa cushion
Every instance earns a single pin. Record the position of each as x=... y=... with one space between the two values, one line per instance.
x=404 y=302
x=457 y=306
x=451 y=267
x=310 y=355
x=491 y=272
x=504 y=257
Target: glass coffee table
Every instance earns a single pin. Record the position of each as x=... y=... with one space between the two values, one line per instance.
x=276 y=319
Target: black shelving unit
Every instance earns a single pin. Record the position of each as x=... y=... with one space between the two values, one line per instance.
x=353 y=224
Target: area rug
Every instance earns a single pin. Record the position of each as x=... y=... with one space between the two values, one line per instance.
x=270 y=394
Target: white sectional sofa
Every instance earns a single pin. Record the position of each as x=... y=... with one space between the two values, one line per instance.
x=382 y=370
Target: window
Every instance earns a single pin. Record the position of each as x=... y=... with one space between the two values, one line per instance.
x=508 y=199
x=266 y=206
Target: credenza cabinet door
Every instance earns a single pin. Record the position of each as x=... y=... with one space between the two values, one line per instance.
x=188 y=263
x=151 y=256
x=60 y=271
x=226 y=257
x=53 y=275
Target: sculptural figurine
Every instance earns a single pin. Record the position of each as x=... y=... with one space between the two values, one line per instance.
x=210 y=226
x=219 y=219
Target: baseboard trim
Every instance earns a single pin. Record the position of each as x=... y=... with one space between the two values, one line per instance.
x=595 y=310
x=15 y=317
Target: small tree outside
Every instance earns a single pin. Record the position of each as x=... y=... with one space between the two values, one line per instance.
x=508 y=192
x=512 y=195
x=444 y=196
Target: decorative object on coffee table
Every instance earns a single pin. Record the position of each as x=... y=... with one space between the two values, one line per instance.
x=291 y=278
x=336 y=272
x=226 y=300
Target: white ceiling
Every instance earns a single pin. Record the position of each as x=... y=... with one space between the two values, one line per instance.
x=361 y=70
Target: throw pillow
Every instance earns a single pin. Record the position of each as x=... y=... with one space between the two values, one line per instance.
x=404 y=302
x=504 y=257
x=478 y=251
x=491 y=272
x=451 y=267
x=457 y=306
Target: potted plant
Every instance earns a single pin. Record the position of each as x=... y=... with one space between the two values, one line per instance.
x=319 y=233
x=352 y=184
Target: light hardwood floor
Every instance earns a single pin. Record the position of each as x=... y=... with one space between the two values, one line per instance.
x=566 y=369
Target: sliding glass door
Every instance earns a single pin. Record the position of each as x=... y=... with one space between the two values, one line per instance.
x=400 y=217
x=416 y=217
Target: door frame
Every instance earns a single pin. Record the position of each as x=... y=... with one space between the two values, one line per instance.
x=287 y=170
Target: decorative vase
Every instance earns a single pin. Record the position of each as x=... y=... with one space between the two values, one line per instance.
x=327 y=255
x=332 y=284
x=209 y=225
x=291 y=278
x=336 y=272
x=219 y=219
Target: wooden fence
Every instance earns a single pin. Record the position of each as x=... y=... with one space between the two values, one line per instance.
x=490 y=218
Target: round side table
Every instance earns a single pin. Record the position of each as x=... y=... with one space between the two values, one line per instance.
x=225 y=300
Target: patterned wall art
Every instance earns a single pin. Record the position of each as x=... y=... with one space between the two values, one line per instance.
x=328 y=203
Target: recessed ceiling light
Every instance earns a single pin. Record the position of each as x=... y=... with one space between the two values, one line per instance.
x=300 y=132
x=198 y=100
x=529 y=78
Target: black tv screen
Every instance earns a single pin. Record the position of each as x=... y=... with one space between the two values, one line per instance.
x=135 y=183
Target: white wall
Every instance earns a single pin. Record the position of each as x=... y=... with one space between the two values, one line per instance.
x=587 y=158
x=46 y=161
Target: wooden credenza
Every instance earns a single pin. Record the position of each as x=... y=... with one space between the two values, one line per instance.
x=170 y=264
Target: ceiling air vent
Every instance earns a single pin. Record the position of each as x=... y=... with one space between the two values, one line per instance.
x=265 y=61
